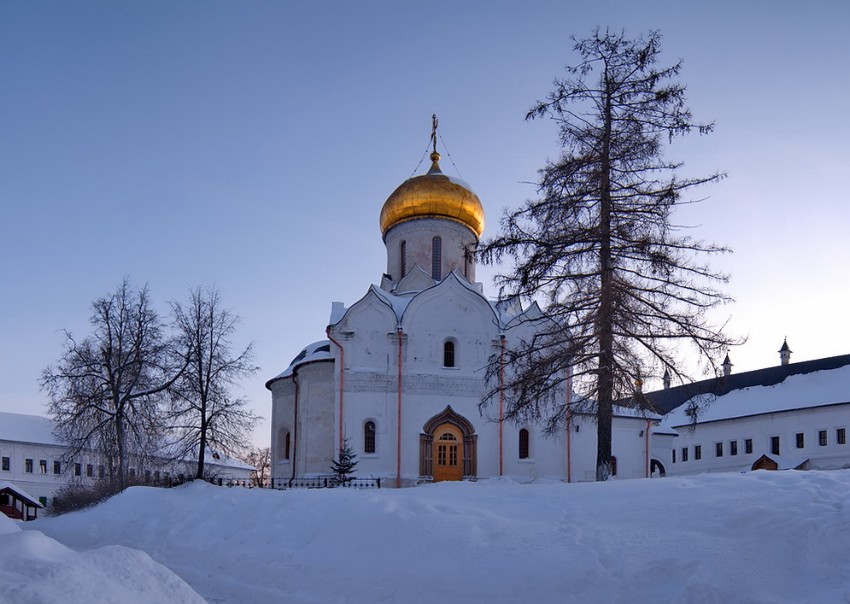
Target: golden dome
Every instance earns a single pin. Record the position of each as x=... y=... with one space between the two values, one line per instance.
x=433 y=195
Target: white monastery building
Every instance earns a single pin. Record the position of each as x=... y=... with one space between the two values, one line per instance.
x=791 y=416
x=34 y=461
x=401 y=374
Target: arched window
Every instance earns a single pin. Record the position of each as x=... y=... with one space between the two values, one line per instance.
x=403 y=257
x=369 y=437
x=436 y=258
x=284 y=441
x=448 y=354
x=523 y=444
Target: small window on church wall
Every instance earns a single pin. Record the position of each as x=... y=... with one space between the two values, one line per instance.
x=403 y=258
x=523 y=444
x=369 y=437
x=283 y=444
x=448 y=354
x=436 y=258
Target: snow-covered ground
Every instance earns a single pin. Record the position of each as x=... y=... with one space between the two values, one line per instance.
x=758 y=537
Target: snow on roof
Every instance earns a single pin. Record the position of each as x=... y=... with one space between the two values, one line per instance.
x=22 y=494
x=317 y=351
x=620 y=411
x=27 y=428
x=800 y=391
x=783 y=462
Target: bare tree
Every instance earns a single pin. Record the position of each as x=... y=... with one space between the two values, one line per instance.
x=107 y=391
x=205 y=414
x=261 y=459
x=598 y=247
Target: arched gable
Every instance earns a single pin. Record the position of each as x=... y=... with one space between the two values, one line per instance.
x=415 y=280
x=454 y=285
x=372 y=307
x=363 y=331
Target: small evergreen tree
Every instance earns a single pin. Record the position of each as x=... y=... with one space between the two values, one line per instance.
x=345 y=463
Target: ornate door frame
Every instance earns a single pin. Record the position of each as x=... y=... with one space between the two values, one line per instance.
x=469 y=448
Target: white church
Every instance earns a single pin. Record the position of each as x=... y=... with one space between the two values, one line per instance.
x=402 y=372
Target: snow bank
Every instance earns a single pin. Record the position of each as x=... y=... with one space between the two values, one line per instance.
x=35 y=569
x=759 y=537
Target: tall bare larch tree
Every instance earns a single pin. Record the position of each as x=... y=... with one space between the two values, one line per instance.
x=624 y=285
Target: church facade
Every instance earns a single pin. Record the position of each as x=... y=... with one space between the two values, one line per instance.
x=402 y=371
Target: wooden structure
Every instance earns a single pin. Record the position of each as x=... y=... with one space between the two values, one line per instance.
x=17 y=504
x=775 y=462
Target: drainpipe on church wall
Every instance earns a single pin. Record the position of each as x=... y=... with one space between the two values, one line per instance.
x=502 y=341
x=295 y=422
x=341 y=385
x=646 y=447
x=399 y=334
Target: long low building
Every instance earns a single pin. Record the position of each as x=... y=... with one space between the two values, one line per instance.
x=32 y=459
x=794 y=411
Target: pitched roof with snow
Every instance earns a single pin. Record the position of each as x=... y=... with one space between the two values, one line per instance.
x=671 y=398
x=795 y=391
x=35 y=429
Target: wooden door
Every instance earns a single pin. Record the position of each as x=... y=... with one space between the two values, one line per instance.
x=448 y=453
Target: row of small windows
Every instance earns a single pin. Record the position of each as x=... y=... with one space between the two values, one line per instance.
x=436 y=258
x=775 y=448
x=29 y=468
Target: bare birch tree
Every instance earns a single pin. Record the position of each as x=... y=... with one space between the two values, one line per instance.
x=599 y=249
x=205 y=413
x=107 y=391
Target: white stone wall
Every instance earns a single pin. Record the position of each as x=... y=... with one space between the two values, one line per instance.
x=760 y=429
x=313 y=444
x=418 y=235
x=35 y=483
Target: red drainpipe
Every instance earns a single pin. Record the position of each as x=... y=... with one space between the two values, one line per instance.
x=399 y=333
x=341 y=384
x=501 y=403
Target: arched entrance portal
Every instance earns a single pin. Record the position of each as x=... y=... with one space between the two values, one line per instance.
x=448 y=448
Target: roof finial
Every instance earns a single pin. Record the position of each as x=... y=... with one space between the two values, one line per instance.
x=435 y=157
x=434 y=123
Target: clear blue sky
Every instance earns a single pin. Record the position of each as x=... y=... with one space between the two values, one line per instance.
x=251 y=145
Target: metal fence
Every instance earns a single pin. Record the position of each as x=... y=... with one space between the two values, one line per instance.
x=325 y=482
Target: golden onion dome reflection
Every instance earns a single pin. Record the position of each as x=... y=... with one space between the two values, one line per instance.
x=433 y=195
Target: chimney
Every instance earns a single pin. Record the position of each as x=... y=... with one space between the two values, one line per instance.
x=727 y=365
x=666 y=379
x=785 y=352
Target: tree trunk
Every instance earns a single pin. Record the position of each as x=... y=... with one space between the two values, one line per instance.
x=605 y=377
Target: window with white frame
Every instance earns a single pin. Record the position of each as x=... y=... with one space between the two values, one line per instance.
x=840 y=436
x=822 y=438
x=6 y=464
x=28 y=465
x=718 y=449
